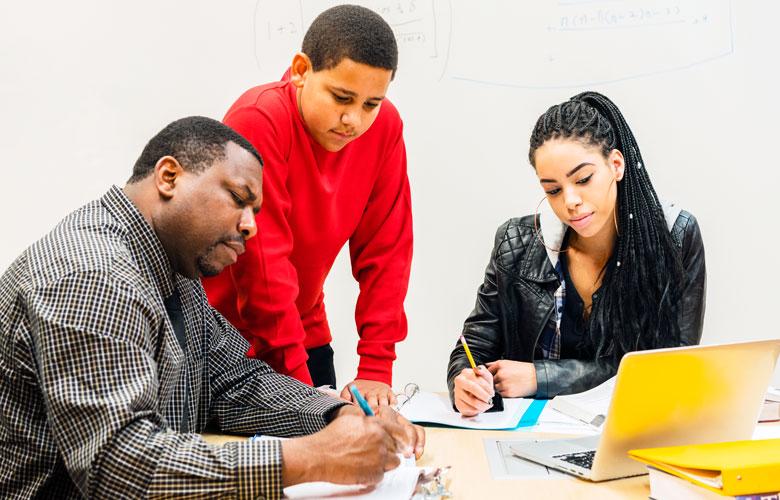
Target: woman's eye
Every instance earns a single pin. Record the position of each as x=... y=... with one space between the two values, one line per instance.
x=341 y=98
x=553 y=192
x=237 y=199
x=371 y=105
x=584 y=180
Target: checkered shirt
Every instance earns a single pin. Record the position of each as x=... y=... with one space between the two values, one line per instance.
x=93 y=380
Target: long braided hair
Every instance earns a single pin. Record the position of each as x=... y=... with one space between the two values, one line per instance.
x=642 y=281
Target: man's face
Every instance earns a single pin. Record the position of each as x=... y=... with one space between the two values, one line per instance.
x=211 y=214
x=339 y=104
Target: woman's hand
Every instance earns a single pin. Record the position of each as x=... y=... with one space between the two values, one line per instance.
x=473 y=393
x=513 y=379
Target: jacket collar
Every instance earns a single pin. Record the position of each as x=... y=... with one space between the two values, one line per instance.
x=553 y=230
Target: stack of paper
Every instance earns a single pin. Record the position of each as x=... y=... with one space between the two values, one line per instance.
x=397 y=484
x=770 y=410
x=733 y=468
x=589 y=407
x=665 y=486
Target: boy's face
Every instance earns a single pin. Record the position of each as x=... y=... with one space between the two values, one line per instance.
x=338 y=104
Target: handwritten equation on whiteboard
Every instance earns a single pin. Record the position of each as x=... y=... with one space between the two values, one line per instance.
x=544 y=44
x=575 y=43
x=420 y=31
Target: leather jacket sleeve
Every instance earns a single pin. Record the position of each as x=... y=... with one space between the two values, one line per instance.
x=695 y=288
x=482 y=328
x=568 y=376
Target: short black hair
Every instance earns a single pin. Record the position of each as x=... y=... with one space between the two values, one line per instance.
x=196 y=142
x=354 y=32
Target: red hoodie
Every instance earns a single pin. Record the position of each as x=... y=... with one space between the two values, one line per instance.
x=314 y=201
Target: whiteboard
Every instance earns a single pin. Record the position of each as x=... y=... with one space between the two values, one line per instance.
x=84 y=84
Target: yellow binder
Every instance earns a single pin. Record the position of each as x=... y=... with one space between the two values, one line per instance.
x=735 y=468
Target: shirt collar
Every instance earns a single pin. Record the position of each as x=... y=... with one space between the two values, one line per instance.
x=141 y=238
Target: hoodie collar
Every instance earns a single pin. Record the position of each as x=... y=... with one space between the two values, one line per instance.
x=553 y=230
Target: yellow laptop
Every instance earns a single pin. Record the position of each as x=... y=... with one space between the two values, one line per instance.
x=667 y=397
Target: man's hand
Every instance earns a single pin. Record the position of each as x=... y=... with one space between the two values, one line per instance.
x=409 y=438
x=513 y=379
x=352 y=449
x=376 y=393
x=473 y=393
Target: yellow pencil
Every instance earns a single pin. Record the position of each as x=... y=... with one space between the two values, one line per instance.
x=468 y=354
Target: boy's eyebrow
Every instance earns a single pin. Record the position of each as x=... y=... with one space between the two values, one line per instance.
x=354 y=94
x=345 y=91
x=571 y=172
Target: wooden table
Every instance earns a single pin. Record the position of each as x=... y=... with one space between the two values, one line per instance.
x=470 y=477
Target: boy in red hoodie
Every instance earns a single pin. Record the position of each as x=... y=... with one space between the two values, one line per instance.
x=335 y=172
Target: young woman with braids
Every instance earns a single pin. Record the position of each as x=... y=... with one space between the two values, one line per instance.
x=567 y=293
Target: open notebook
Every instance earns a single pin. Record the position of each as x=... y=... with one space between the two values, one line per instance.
x=433 y=408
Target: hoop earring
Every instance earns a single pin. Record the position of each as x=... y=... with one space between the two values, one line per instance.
x=614 y=218
x=614 y=212
x=536 y=230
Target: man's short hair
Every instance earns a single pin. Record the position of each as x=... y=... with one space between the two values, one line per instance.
x=354 y=32
x=196 y=142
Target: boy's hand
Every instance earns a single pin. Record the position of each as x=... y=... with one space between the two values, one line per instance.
x=376 y=393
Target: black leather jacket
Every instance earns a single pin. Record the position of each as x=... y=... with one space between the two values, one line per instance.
x=515 y=303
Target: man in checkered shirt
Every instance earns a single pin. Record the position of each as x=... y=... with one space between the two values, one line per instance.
x=111 y=359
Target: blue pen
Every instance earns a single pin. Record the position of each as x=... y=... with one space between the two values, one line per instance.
x=361 y=401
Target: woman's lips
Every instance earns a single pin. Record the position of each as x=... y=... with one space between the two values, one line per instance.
x=581 y=221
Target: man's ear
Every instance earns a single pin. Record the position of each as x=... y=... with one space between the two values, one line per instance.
x=618 y=164
x=300 y=69
x=166 y=174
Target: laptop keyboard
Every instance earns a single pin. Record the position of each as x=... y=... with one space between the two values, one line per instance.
x=582 y=459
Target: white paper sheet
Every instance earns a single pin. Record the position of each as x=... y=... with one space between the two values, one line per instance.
x=588 y=406
x=428 y=407
x=398 y=483
x=505 y=465
x=767 y=431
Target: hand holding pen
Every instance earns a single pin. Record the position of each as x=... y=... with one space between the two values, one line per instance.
x=474 y=390
x=409 y=437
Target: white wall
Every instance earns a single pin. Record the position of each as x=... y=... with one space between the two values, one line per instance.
x=84 y=84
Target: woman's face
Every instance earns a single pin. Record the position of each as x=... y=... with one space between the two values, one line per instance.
x=580 y=183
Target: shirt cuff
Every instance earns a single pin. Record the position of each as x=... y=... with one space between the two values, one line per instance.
x=258 y=468
x=315 y=415
x=377 y=369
